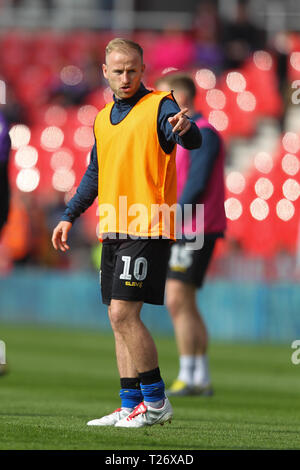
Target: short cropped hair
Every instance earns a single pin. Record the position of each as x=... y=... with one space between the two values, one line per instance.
x=180 y=81
x=123 y=45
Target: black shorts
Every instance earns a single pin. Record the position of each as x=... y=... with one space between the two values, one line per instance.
x=134 y=270
x=190 y=266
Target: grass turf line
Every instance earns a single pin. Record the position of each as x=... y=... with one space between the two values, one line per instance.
x=59 y=379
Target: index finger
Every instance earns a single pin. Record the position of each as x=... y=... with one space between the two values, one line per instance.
x=181 y=112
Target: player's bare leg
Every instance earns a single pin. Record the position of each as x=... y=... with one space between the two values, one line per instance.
x=132 y=335
x=190 y=330
x=191 y=338
x=124 y=362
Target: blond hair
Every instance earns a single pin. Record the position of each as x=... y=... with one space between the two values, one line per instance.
x=123 y=45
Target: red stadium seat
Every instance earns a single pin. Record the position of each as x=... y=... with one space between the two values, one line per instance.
x=264 y=85
x=271 y=226
x=294 y=58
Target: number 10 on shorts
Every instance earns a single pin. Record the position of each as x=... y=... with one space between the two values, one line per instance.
x=139 y=269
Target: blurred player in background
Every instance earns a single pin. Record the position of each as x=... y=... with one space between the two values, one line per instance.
x=5 y=146
x=135 y=149
x=200 y=180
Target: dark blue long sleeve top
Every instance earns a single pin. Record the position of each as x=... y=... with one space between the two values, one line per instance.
x=87 y=191
x=202 y=161
x=5 y=146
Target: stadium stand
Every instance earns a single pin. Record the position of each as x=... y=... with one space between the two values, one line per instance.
x=56 y=77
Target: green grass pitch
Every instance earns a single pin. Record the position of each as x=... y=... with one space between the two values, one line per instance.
x=59 y=379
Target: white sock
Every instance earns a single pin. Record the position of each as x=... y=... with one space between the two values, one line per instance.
x=186 y=369
x=201 y=371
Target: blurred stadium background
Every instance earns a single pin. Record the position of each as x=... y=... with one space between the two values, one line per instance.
x=245 y=59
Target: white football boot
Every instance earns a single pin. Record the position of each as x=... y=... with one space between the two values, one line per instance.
x=112 y=418
x=143 y=415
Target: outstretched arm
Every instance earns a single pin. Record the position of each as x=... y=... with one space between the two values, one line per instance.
x=174 y=127
x=180 y=122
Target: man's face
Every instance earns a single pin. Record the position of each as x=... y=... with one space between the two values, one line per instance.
x=124 y=72
x=179 y=95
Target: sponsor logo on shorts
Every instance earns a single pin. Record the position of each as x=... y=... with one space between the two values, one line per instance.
x=134 y=284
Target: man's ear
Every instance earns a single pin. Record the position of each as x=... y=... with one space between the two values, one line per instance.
x=143 y=68
x=104 y=70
